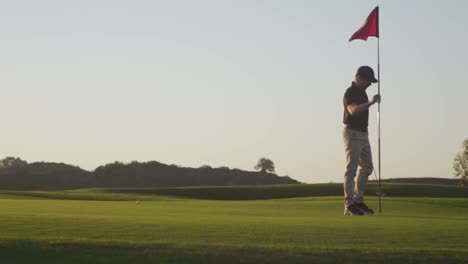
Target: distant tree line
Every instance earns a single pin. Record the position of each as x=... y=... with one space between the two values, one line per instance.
x=20 y=175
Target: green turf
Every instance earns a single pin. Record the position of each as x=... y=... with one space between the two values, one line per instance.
x=98 y=226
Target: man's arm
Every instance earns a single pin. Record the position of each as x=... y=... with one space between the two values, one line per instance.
x=356 y=109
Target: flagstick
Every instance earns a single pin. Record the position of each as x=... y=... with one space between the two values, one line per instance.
x=378 y=117
x=371 y=29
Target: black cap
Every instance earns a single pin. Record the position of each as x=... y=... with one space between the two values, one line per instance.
x=367 y=73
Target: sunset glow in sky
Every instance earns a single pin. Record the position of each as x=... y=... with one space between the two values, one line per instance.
x=224 y=83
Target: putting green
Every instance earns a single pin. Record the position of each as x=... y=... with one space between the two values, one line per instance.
x=51 y=227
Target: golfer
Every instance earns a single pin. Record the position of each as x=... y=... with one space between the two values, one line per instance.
x=356 y=141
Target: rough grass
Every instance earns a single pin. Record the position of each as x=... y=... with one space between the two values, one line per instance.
x=298 y=190
x=262 y=192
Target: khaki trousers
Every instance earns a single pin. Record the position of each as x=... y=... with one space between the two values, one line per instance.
x=358 y=153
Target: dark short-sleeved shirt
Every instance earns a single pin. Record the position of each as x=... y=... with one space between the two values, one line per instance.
x=359 y=121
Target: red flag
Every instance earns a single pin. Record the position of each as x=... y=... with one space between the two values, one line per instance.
x=370 y=27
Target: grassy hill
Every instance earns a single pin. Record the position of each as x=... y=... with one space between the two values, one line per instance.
x=261 y=192
x=425 y=180
x=297 y=190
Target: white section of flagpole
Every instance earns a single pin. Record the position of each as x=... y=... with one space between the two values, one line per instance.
x=378 y=119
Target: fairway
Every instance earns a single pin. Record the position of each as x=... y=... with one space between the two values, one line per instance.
x=66 y=227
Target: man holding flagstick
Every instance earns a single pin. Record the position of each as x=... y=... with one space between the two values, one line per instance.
x=356 y=140
x=355 y=134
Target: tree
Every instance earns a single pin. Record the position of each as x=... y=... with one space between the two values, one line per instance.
x=265 y=165
x=11 y=162
x=460 y=165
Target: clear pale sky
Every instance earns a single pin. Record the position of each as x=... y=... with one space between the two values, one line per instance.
x=224 y=83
